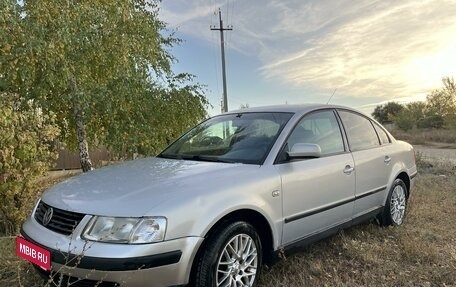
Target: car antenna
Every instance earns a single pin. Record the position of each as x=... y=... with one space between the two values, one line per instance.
x=331 y=95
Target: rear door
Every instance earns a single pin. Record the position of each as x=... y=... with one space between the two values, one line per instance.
x=389 y=156
x=317 y=193
x=371 y=166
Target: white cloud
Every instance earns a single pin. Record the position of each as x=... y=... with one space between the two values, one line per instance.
x=385 y=49
x=395 y=50
x=187 y=12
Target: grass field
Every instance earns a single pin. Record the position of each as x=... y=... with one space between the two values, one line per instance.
x=422 y=252
x=445 y=138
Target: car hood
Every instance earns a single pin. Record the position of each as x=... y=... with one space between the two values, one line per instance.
x=140 y=187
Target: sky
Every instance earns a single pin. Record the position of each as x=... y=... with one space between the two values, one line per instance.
x=295 y=52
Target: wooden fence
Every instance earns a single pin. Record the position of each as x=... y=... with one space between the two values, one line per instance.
x=70 y=160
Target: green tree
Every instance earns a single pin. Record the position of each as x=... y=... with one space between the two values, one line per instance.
x=441 y=103
x=26 y=153
x=411 y=114
x=145 y=128
x=103 y=68
x=418 y=110
x=386 y=112
x=404 y=120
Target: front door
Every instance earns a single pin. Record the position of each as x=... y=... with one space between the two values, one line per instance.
x=317 y=193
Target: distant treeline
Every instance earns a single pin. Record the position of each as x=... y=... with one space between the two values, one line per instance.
x=438 y=111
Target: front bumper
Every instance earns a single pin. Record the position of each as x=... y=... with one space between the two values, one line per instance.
x=166 y=263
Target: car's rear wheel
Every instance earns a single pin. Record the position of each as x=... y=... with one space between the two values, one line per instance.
x=396 y=205
x=231 y=257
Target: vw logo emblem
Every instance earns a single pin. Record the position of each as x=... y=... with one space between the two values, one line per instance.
x=48 y=216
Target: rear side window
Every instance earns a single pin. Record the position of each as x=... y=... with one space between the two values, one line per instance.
x=384 y=139
x=360 y=132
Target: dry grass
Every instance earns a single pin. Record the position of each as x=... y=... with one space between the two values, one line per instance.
x=420 y=253
x=13 y=270
x=441 y=137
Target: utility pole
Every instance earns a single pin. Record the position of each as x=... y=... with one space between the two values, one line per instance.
x=222 y=45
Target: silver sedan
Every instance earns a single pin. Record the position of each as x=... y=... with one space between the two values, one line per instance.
x=222 y=200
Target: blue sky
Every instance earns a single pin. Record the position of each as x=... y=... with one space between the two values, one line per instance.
x=300 y=51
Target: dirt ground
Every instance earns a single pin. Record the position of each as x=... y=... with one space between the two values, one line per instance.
x=431 y=153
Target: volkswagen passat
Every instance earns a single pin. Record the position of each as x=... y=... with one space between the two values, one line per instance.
x=221 y=200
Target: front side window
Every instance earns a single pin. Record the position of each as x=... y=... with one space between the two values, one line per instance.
x=243 y=137
x=360 y=132
x=319 y=128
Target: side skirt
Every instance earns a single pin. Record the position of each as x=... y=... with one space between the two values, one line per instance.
x=304 y=242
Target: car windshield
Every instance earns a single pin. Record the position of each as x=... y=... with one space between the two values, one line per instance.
x=241 y=138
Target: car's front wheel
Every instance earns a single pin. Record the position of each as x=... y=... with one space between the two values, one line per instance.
x=231 y=257
x=396 y=205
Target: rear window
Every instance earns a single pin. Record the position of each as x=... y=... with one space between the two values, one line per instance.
x=384 y=139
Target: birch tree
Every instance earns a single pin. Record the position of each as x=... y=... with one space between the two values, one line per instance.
x=102 y=67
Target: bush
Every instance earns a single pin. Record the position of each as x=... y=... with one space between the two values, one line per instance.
x=433 y=121
x=450 y=121
x=26 y=153
x=404 y=120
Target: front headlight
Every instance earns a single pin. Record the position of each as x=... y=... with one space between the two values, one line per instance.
x=125 y=230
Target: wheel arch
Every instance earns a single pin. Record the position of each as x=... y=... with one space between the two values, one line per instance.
x=406 y=179
x=256 y=219
x=253 y=217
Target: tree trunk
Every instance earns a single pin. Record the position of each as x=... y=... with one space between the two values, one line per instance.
x=83 y=146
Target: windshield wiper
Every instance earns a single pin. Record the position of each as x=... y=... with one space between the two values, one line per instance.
x=171 y=156
x=213 y=159
x=195 y=157
x=205 y=158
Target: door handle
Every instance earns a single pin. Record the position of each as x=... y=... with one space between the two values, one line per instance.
x=348 y=169
x=387 y=159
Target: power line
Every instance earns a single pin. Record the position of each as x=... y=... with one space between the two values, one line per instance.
x=232 y=20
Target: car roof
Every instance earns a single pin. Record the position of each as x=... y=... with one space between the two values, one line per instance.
x=297 y=109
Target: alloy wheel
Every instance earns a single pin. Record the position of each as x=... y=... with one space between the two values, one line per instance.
x=398 y=204
x=238 y=262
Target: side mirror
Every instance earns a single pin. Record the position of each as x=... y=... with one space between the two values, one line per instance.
x=304 y=150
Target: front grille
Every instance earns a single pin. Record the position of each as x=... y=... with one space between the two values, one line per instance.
x=62 y=221
x=58 y=279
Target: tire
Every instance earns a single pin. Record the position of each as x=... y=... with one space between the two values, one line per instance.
x=218 y=264
x=396 y=205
